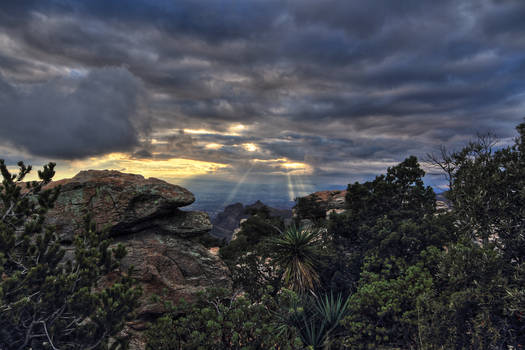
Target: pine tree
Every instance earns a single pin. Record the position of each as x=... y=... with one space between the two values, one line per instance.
x=50 y=300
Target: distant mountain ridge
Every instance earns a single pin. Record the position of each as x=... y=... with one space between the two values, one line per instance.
x=227 y=221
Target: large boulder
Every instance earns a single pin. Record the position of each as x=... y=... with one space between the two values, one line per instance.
x=115 y=201
x=144 y=216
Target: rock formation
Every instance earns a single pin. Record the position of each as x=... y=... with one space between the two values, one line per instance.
x=442 y=203
x=325 y=202
x=331 y=201
x=143 y=215
x=227 y=221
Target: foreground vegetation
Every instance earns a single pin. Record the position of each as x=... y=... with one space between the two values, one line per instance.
x=391 y=272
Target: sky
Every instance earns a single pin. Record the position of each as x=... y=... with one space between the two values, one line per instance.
x=269 y=97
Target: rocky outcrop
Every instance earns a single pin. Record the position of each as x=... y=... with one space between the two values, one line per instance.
x=143 y=215
x=122 y=203
x=229 y=220
x=442 y=203
x=320 y=205
x=329 y=202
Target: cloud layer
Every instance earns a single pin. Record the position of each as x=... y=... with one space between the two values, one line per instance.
x=72 y=117
x=345 y=88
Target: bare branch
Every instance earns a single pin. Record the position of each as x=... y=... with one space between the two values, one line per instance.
x=48 y=337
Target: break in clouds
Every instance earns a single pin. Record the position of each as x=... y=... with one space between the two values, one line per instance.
x=345 y=87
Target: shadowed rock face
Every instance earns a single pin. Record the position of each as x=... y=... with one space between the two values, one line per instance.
x=228 y=220
x=172 y=267
x=144 y=216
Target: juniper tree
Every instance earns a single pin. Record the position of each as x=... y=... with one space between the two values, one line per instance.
x=393 y=215
x=50 y=300
x=389 y=232
x=481 y=279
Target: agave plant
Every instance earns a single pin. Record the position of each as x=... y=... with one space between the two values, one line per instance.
x=332 y=309
x=298 y=253
x=316 y=319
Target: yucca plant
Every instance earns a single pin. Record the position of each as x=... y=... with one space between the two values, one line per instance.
x=331 y=309
x=317 y=319
x=313 y=334
x=298 y=253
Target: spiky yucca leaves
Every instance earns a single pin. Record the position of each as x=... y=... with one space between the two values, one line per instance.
x=317 y=319
x=298 y=252
x=332 y=309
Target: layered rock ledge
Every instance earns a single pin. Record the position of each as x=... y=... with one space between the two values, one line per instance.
x=145 y=216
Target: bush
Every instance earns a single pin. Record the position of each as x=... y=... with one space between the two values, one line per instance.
x=48 y=300
x=218 y=320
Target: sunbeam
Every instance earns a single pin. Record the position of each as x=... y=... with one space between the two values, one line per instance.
x=291 y=192
x=302 y=188
x=233 y=193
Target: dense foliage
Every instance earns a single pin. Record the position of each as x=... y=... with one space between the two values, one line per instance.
x=218 y=320
x=308 y=208
x=477 y=301
x=247 y=255
x=50 y=299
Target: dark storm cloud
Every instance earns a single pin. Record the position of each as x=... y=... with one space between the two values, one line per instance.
x=320 y=82
x=72 y=118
